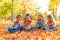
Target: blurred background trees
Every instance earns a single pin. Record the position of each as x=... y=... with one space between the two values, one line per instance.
x=53 y=7
x=10 y=8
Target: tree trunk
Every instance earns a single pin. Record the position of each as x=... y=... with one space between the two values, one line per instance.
x=5 y=17
x=56 y=8
x=24 y=7
x=12 y=11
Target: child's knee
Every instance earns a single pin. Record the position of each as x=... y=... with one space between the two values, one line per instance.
x=20 y=27
x=54 y=28
x=10 y=29
x=47 y=28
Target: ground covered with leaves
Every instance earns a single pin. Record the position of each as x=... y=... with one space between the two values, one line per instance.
x=32 y=35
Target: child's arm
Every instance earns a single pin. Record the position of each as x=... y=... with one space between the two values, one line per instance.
x=22 y=23
x=44 y=22
x=37 y=23
x=14 y=24
x=26 y=23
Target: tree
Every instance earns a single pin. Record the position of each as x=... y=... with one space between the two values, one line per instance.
x=10 y=8
x=25 y=5
x=12 y=11
x=5 y=9
x=53 y=7
x=0 y=0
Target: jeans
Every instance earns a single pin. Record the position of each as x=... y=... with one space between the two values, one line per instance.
x=15 y=29
x=29 y=29
x=51 y=28
x=38 y=28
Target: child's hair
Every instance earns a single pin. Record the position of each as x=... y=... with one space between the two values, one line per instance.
x=18 y=16
x=25 y=17
x=40 y=15
x=49 y=16
x=27 y=14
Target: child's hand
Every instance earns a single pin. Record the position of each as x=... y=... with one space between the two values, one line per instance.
x=39 y=19
x=50 y=23
x=15 y=23
x=29 y=21
x=44 y=25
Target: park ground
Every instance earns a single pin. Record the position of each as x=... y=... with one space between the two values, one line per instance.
x=23 y=35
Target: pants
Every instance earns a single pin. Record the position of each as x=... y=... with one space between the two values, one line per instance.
x=37 y=28
x=24 y=28
x=33 y=28
x=15 y=29
x=40 y=27
x=51 y=28
x=29 y=29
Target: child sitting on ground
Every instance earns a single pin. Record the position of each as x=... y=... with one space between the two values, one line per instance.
x=40 y=22
x=17 y=24
x=27 y=22
x=51 y=23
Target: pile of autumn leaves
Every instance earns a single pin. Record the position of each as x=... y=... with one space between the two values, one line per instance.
x=35 y=35
x=32 y=35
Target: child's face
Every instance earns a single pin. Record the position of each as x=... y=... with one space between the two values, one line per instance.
x=48 y=19
x=40 y=17
x=28 y=17
x=20 y=18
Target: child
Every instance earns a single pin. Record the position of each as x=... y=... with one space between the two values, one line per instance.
x=27 y=22
x=16 y=24
x=40 y=22
x=51 y=24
